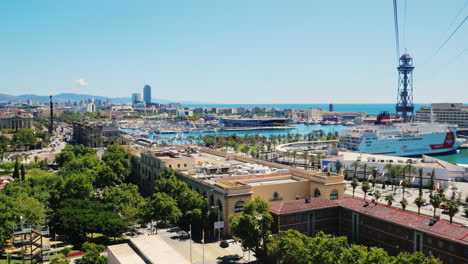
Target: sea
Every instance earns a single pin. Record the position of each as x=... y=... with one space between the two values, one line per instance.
x=370 y=109
x=461 y=157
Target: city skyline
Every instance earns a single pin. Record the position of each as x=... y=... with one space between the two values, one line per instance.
x=228 y=53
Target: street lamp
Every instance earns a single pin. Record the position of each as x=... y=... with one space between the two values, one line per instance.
x=219 y=229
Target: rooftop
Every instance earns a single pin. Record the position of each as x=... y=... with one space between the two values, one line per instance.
x=390 y=214
x=405 y=218
x=300 y=205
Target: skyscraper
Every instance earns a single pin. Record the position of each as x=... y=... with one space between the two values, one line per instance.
x=136 y=98
x=147 y=95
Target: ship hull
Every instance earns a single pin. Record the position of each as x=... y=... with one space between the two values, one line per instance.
x=396 y=141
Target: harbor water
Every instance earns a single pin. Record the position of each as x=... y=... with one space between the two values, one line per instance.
x=303 y=129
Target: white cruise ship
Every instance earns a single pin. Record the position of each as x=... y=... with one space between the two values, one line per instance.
x=401 y=139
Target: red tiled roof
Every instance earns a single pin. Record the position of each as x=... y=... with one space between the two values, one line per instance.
x=409 y=219
x=295 y=206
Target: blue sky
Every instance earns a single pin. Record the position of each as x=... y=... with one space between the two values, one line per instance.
x=232 y=51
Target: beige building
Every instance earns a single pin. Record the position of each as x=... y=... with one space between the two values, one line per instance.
x=16 y=121
x=449 y=113
x=151 y=163
x=229 y=181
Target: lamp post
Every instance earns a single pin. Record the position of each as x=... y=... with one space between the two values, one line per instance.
x=219 y=231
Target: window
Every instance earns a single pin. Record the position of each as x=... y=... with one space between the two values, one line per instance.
x=440 y=243
x=333 y=195
x=317 y=193
x=429 y=240
x=239 y=207
x=185 y=165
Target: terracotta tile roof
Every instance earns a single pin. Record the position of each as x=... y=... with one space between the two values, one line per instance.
x=409 y=219
x=295 y=206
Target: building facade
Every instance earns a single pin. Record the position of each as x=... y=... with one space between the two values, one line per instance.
x=449 y=113
x=226 y=181
x=147 y=95
x=16 y=121
x=95 y=135
x=372 y=224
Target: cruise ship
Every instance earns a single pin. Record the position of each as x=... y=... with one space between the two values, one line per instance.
x=400 y=139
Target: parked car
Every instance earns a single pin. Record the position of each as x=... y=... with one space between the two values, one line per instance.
x=224 y=244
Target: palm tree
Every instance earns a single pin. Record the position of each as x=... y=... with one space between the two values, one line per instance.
x=408 y=170
x=354 y=184
x=377 y=195
x=435 y=201
x=388 y=167
x=403 y=203
x=404 y=183
x=364 y=167
x=355 y=165
x=452 y=208
x=294 y=155
x=338 y=166
x=419 y=201
x=420 y=171
x=431 y=182
x=397 y=171
x=389 y=198
x=365 y=188
x=374 y=171
x=305 y=155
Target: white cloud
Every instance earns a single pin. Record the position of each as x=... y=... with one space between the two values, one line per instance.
x=81 y=82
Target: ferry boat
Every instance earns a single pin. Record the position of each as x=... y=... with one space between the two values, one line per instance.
x=400 y=139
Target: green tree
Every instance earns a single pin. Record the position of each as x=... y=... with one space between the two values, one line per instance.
x=338 y=166
x=291 y=247
x=354 y=184
x=389 y=198
x=105 y=176
x=93 y=254
x=403 y=203
x=404 y=184
x=59 y=259
x=355 y=165
x=252 y=226
x=365 y=186
x=124 y=200
x=32 y=211
x=162 y=208
x=377 y=195
x=435 y=201
x=452 y=207
x=23 y=172
x=419 y=201
x=78 y=186
x=243 y=148
x=8 y=217
x=16 y=171
x=119 y=160
x=416 y=257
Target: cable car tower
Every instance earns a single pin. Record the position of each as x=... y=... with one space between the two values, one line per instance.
x=405 y=104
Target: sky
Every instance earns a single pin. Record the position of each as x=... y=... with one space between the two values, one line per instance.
x=240 y=51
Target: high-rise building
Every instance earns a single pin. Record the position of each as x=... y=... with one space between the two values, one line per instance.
x=446 y=113
x=147 y=95
x=136 y=98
